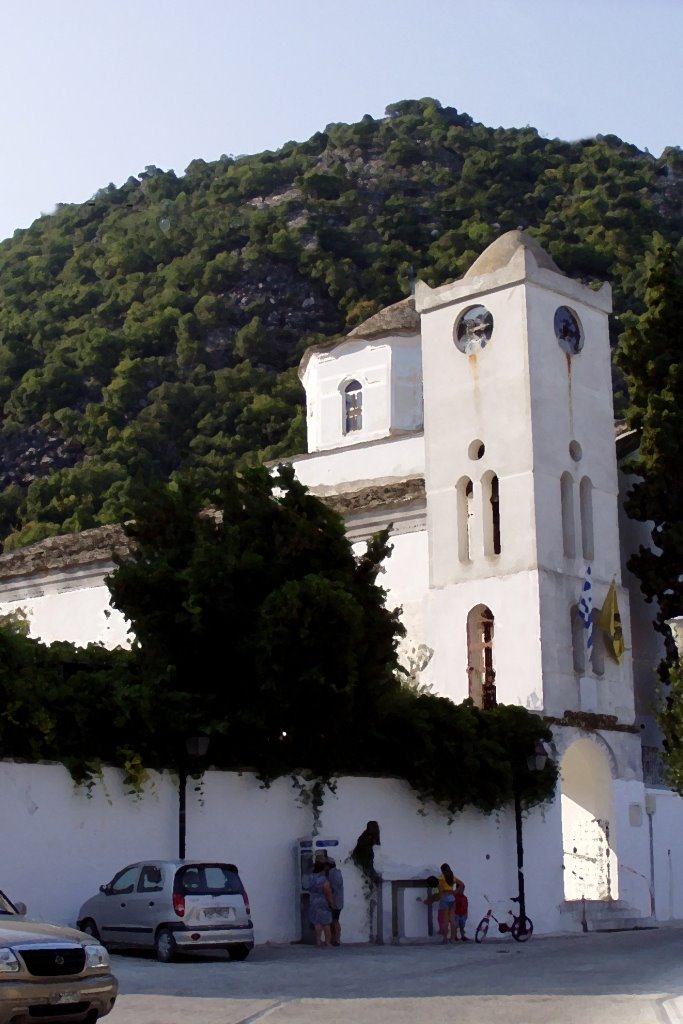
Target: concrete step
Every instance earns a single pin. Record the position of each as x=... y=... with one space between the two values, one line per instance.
x=603 y=916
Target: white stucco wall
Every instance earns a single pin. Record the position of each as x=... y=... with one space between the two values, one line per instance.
x=63 y=843
x=666 y=823
x=513 y=601
x=385 y=460
x=80 y=616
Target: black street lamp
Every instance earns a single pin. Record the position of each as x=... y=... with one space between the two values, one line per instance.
x=535 y=763
x=195 y=747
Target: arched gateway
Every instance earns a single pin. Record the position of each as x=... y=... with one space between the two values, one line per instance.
x=587 y=819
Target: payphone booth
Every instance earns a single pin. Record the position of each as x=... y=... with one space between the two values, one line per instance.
x=305 y=851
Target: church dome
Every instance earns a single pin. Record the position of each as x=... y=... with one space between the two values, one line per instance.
x=500 y=252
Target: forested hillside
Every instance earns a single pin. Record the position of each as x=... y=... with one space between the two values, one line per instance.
x=159 y=325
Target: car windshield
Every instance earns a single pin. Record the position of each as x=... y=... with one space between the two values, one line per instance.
x=208 y=880
x=7 y=908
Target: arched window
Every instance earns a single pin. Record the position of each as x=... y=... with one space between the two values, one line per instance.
x=495 y=514
x=465 y=495
x=491 y=505
x=482 y=676
x=586 y=503
x=353 y=407
x=567 y=502
x=578 y=641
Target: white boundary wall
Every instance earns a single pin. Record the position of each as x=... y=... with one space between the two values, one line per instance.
x=59 y=843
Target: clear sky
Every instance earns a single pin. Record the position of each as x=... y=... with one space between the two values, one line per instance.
x=91 y=91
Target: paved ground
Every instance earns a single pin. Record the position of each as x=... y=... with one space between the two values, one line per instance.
x=613 y=978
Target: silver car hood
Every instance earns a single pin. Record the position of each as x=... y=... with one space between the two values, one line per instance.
x=14 y=931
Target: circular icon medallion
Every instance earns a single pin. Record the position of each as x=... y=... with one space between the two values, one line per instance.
x=568 y=330
x=473 y=329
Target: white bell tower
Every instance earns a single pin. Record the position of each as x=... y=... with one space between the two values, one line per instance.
x=521 y=482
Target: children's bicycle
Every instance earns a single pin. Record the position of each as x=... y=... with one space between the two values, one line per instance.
x=520 y=929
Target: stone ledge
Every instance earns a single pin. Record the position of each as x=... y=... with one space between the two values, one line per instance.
x=99 y=544
x=591 y=722
x=395 y=495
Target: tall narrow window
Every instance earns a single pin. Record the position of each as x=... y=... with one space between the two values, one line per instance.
x=578 y=641
x=465 y=493
x=586 y=502
x=495 y=515
x=598 y=654
x=491 y=503
x=567 y=502
x=353 y=407
x=482 y=676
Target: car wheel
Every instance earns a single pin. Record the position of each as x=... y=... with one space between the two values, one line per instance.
x=165 y=946
x=238 y=951
x=90 y=928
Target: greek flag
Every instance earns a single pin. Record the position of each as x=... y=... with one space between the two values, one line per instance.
x=586 y=610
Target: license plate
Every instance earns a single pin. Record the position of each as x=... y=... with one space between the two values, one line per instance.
x=226 y=913
x=59 y=998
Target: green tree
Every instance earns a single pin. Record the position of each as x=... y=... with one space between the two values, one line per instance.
x=652 y=363
x=651 y=359
x=255 y=621
x=170 y=280
x=670 y=721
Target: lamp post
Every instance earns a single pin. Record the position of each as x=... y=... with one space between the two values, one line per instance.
x=195 y=747
x=535 y=763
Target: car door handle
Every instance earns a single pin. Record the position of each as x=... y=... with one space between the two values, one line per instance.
x=123 y=904
x=151 y=903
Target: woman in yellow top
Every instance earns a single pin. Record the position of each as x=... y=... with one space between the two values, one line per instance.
x=448 y=883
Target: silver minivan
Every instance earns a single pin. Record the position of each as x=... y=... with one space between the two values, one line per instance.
x=172 y=906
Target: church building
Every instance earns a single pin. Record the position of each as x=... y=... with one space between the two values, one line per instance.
x=476 y=420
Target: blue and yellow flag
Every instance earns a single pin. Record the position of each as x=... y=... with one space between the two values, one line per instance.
x=609 y=620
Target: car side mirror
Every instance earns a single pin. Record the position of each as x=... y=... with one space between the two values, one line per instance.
x=106 y=888
x=21 y=907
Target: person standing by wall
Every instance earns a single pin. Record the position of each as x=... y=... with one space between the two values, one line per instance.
x=434 y=897
x=334 y=877
x=447 y=886
x=320 y=903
